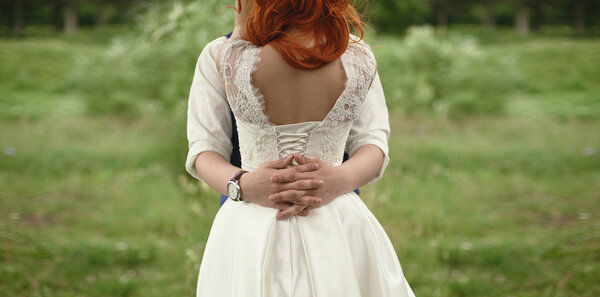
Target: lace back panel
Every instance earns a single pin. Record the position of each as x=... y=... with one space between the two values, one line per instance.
x=258 y=136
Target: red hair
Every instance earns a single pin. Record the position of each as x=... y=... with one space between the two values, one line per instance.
x=328 y=21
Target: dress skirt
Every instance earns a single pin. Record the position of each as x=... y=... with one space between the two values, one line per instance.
x=339 y=249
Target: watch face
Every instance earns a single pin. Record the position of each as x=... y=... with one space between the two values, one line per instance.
x=232 y=191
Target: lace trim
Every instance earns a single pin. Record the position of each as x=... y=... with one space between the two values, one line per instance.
x=238 y=80
x=259 y=143
x=360 y=75
x=359 y=67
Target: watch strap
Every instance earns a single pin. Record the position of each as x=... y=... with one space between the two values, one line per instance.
x=236 y=180
x=236 y=177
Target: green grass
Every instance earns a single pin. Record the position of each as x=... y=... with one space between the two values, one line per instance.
x=480 y=206
x=563 y=74
x=32 y=77
x=493 y=207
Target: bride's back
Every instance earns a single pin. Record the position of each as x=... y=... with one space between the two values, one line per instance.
x=300 y=74
x=293 y=95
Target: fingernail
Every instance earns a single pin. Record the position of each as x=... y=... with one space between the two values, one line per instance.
x=274 y=179
x=318 y=201
x=271 y=198
x=316 y=166
x=320 y=182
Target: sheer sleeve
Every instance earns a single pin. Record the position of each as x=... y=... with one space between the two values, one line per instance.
x=372 y=125
x=209 y=125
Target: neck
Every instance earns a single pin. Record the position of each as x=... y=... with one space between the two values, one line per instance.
x=303 y=38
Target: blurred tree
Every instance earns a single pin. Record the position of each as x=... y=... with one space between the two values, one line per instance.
x=388 y=16
x=393 y=16
x=522 y=17
x=485 y=12
x=18 y=17
x=489 y=18
x=579 y=17
x=70 y=17
x=441 y=9
x=537 y=20
x=101 y=9
x=56 y=7
x=577 y=13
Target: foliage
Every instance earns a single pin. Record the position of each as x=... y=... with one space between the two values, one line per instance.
x=451 y=74
x=150 y=69
x=395 y=16
x=484 y=206
x=144 y=71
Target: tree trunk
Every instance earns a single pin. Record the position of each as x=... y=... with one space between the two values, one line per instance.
x=522 y=19
x=55 y=17
x=579 y=17
x=70 y=19
x=489 y=19
x=538 y=17
x=100 y=19
x=442 y=18
x=19 y=18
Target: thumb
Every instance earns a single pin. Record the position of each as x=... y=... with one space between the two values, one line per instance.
x=280 y=163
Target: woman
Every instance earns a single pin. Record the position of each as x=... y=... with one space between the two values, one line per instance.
x=302 y=92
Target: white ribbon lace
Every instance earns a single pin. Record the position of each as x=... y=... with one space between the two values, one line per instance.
x=290 y=143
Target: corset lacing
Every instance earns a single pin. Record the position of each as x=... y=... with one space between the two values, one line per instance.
x=290 y=143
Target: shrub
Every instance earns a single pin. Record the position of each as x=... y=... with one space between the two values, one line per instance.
x=150 y=69
x=445 y=74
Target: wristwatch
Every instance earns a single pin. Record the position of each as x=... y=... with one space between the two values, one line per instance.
x=233 y=186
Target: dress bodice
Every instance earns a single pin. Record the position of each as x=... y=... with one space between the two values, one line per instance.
x=260 y=140
x=288 y=139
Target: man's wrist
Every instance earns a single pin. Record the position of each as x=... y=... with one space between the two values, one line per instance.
x=347 y=178
x=243 y=182
x=234 y=190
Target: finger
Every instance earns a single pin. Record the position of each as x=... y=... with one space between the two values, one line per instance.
x=290 y=211
x=304 y=212
x=296 y=197
x=304 y=160
x=280 y=163
x=290 y=196
x=299 y=159
x=305 y=167
x=303 y=184
x=290 y=174
x=309 y=201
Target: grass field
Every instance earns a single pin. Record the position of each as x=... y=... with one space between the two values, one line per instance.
x=477 y=206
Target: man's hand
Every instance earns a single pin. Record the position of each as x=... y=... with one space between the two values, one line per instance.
x=335 y=182
x=257 y=186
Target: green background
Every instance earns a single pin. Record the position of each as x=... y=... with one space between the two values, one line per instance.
x=492 y=190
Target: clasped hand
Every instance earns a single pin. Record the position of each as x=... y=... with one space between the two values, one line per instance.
x=294 y=190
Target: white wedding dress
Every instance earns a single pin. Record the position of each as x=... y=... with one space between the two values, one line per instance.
x=340 y=249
